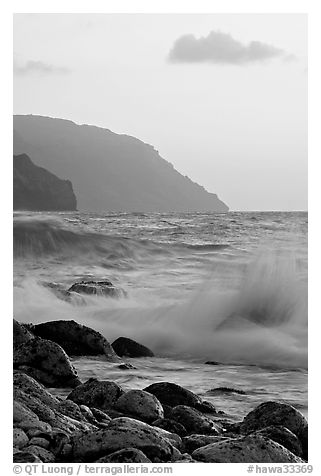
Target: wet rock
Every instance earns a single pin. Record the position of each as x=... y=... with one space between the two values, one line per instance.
x=20 y=438
x=280 y=414
x=172 y=395
x=26 y=457
x=97 y=288
x=126 y=366
x=140 y=404
x=76 y=339
x=47 y=362
x=192 y=442
x=222 y=390
x=121 y=435
x=206 y=407
x=194 y=421
x=246 y=449
x=211 y=362
x=125 y=347
x=128 y=455
x=284 y=437
x=101 y=394
x=21 y=334
x=170 y=425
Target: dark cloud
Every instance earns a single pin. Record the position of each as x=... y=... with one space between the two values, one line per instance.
x=221 y=48
x=37 y=67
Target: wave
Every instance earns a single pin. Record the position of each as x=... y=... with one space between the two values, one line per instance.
x=262 y=323
x=45 y=236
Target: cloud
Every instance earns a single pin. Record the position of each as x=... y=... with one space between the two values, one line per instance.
x=37 y=68
x=221 y=48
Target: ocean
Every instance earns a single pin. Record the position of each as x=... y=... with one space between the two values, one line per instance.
x=229 y=288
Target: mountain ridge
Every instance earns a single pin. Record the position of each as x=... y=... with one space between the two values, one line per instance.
x=109 y=171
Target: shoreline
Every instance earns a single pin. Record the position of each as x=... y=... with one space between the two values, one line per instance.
x=100 y=421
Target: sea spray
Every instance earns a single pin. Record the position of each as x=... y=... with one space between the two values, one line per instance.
x=263 y=322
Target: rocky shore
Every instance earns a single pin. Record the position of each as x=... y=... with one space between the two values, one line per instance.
x=100 y=422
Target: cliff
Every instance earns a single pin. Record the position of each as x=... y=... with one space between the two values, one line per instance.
x=34 y=188
x=110 y=172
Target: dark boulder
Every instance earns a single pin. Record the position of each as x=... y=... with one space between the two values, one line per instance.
x=195 y=441
x=278 y=414
x=96 y=288
x=75 y=338
x=172 y=395
x=284 y=437
x=47 y=362
x=125 y=347
x=140 y=404
x=194 y=421
x=94 y=393
x=170 y=425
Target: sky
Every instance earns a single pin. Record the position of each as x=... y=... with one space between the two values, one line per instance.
x=221 y=97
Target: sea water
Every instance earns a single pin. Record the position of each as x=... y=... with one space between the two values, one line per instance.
x=228 y=288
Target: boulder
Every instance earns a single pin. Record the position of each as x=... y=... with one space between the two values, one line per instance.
x=245 y=449
x=172 y=395
x=121 y=435
x=140 y=404
x=125 y=347
x=96 y=288
x=75 y=338
x=101 y=394
x=100 y=415
x=37 y=406
x=128 y=455
x=170 y=425
x=284 y=437
x=135 y=425
x=192 y=442
x=21 y=334
x=194 y=421
x=26 y=419
x=278 y=414
x=20 y=438
x=47 y=362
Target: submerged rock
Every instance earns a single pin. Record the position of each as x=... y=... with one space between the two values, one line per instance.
x=280 y=414
x=128 y=455
x=194 y=421
x=94 y=393
x=220 y=390
x=125 y=347
x=122 y=434
x=47 y=362
x=140 y=404
x=245 y=449
x=96 y=288
x=75 y=338
x=172 y=394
